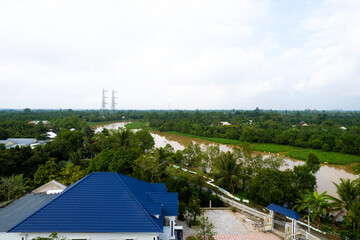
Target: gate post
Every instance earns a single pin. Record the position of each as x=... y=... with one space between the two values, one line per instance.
x=272 y=219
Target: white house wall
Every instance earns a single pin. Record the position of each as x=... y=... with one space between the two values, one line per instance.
x=87 y=236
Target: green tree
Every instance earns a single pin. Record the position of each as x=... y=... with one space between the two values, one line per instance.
x=46 y=173
x=70 y=174
x=13 y=186
x=144 y=139
x=205 y=230
x=121 y=137
x=211 y=155
x=192 y=155
x=352 y=218
x=347 y=192
x=272 y=186
x=227 y=171
x=52 y=236
x=148 y=168
x=194 y=208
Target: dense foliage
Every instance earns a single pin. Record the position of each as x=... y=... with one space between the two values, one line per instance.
x=78 y=150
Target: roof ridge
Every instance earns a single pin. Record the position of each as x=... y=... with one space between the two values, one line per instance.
x=137 y=201
x=59 y=195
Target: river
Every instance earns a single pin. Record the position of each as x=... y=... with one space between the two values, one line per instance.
x=327 y=174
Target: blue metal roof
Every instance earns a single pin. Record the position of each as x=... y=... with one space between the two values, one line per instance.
x=103 y=202
x=22 y=208
x=284 y=211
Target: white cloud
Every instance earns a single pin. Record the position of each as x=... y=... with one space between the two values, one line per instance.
x=191 y=54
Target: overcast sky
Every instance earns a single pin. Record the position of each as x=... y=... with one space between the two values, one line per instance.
x=195 y=54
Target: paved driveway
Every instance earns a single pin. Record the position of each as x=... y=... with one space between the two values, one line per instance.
x=232 y=226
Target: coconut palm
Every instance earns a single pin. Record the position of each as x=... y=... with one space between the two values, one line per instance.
x=353 y=215
x=347 y=193
x=122 y=137
x=228 y=171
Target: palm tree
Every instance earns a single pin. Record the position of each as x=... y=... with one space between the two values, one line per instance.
x=316 y=205
x=122 y=137
x=228 y=171
x=353 y=215
x=347 y=193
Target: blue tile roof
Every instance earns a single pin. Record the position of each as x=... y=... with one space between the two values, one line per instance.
x=104 y=202
x=284 y=211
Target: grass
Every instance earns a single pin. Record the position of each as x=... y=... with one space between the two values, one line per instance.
x=270 y=147
x=103 y=123
x=135 y=125
x=211 y=139
x=329 y=157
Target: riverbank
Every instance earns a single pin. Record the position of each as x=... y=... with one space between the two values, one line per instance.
x=285 y=150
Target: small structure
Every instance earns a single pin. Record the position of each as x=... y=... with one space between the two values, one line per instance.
x=225 y=123
x=20 y=142
x=35 y=122
x=343 y=128
x=51 y=135
x=302 y=123
x=104 y=205
x=294 y=216
x=50 y=187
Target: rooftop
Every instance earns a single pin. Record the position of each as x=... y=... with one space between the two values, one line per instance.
x=104 y=202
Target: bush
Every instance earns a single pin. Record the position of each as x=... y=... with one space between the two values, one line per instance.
x=233 y=209
x=194 y=223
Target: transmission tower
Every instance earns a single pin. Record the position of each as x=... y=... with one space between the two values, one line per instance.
x=113 y=103
x=103 y=101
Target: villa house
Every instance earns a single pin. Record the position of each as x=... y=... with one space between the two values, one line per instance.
x=104 y=206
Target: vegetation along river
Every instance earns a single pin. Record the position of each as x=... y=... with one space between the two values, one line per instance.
x=327 y=174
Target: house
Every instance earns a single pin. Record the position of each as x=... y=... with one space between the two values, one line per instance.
x=50 y=187
x=104 y=206
x=20 y=142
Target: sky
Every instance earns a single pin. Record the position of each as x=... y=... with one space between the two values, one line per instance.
x=188 y=54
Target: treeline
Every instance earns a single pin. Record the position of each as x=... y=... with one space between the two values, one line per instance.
x=329 y=131
x=53 y=114
x=17 y=123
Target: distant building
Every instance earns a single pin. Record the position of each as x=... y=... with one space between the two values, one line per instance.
x=37 y=122
x=20 y=142
x=343 y=128
x=51 y=135
x=302 y=123
x=225 y=123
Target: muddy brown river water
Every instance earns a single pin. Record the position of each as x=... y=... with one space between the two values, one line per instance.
x=327 y=174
